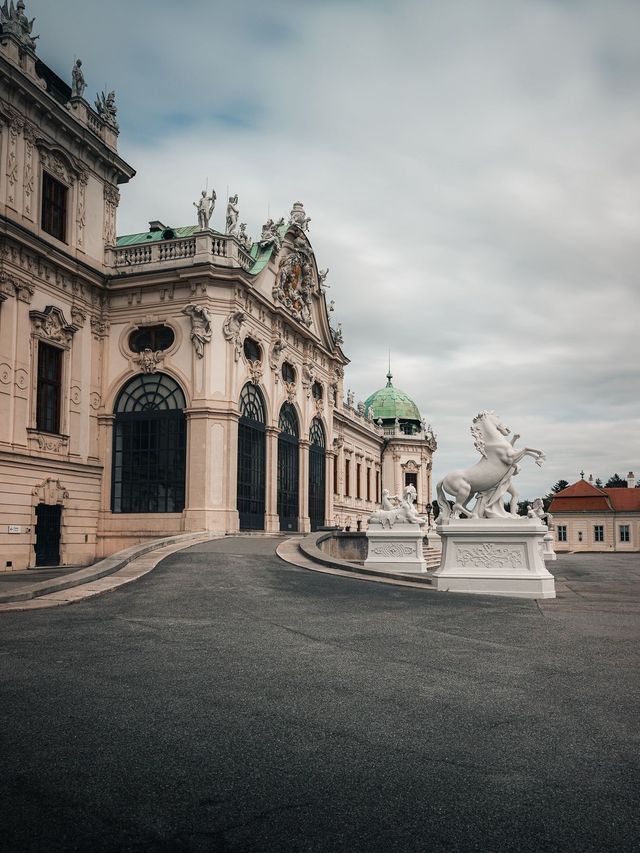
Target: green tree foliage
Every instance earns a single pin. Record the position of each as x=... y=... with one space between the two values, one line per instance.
x=559 y=486
x=616 y=482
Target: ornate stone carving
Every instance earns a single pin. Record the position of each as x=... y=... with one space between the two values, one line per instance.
x=50 y=491
x=28 y=178
x=52 y=444
x=360 y=408
x=15 y=22
x=5 y=373
x=231 y=329
x=298 y=217
x=351 y=398
x=78 y=316
x=16 y=123
x=490 y=479
x=403 y=512
x=7 y=285
x=410 y=465
x=81 y=213
x=291 y=391
x=76 y=395
x=243 y=237
x=487 y=555
x=204 y=208
x=51 y=325
x=337 y=335
x=99 y=327
x=294 y=282
x=24 y=291
x=270 y=235
x=275 y=355
x=200 y=326
x=322 y=283
x=319 y=405
x=256 y=370
x=106 y=108
x=111 y=202
x=21 y=378
x=392 y=549
x=308 y=376
x=148 y=360
x=94 y=400
x=78 y=83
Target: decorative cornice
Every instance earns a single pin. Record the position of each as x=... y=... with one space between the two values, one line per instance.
x=51 y=325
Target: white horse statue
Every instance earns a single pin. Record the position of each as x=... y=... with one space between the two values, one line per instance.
x=490 y=479
x=403 y=513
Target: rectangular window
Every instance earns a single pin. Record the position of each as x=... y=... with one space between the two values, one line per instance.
x=54 y=207
x=347 y=478
x=598 y=533
x=358 y=478
x=335 y=475
x=49 y=394
x=368 y=484
x=624 y=533
x=562 y=532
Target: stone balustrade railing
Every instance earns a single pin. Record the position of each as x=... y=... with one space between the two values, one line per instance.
x=204 y=247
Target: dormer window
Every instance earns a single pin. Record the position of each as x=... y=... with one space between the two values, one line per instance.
x=54 y=207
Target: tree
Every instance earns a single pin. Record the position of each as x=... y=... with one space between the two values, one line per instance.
x=523 y=507
x=598 y=482
x=616 y=482
x=559 y=486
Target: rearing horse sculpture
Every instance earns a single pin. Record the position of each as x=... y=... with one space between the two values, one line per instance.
x=490 y=479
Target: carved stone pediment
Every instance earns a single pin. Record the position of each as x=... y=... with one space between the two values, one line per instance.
x=51 y=325
x=294 y=282
x=50 y=491
x=411 y=466
x=57 y=162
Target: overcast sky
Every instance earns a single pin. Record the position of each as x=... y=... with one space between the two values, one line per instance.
x=471 y=170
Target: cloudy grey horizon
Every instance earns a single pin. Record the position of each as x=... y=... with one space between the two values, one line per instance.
x=471 y=171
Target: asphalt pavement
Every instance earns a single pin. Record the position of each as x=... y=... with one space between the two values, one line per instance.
x=229 y=701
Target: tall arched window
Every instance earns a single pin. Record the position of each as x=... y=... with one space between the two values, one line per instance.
x=288 y=469
x=149 y=446
x=251 y=458
x=317 y=473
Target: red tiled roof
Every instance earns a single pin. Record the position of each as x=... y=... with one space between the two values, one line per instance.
x=584 y=497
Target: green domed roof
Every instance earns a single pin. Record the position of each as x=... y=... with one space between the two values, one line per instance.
x=390 y=403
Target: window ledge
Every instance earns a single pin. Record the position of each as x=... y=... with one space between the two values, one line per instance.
x=47 y=442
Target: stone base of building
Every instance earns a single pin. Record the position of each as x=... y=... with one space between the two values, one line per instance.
x=397 y=549
x=494 y=557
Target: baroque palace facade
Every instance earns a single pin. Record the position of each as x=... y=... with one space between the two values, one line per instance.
x=178 y=379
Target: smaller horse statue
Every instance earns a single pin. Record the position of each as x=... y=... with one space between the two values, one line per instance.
x=403 y=512
x=489 y=479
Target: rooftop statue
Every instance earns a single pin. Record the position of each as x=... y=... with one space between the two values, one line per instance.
x=270 y=235
x=204 y=207
x=299 y=217
x=106 y=108
x=490 y=479
x=232 y=215
x=243 y=237
x=14 y=21
x=78 y=83
x=322 y=279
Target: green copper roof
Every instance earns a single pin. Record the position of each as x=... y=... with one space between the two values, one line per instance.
x=390 y=403
x=154 y=236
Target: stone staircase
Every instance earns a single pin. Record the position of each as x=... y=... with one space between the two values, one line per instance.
x=431 y=555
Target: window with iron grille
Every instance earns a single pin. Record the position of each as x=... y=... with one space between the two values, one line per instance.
x=49 y=394
x=598 y=533
x=149 y=446
x=54 y=207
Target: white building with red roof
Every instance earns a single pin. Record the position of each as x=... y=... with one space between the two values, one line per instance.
x=589 y=518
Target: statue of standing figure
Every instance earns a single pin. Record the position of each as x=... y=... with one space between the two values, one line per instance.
x=200 y=327
x=106 y=108
x=204 y=207
x=78 y=83
x=232 y=215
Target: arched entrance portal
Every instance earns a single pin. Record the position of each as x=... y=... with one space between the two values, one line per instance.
x=149 y=446
x=288 y=469
x=317 y=471
x=251 y=458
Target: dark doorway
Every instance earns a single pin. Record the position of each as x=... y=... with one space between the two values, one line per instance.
x=288 y=469
x=411 y=479
x=48 y=519
x=317 y=473
x=251 y=459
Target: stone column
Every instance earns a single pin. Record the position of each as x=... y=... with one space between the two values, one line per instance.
x=328 y=494
x=271 y=517
x=105 y=452
x=305 y=521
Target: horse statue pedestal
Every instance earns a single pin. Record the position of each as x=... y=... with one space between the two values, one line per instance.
x=396 y=549
x=497 y=556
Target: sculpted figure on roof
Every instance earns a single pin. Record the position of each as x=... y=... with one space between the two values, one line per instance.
x=232 y=215
x=270 y=235
x=78 y=83
x=204 y=207
x=14 y=21
x=106 y=108
x=299 y=217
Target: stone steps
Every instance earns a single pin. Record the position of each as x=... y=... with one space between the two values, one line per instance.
x=432 y=557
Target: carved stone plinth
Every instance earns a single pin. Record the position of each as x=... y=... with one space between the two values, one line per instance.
x=397 y=549
x=494 y=557
x=549 y=553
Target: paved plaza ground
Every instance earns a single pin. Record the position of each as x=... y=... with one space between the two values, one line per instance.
x=230 y=701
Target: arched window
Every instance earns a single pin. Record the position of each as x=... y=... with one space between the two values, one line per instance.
x=288 y=469
x=251 y=459
x=317 y=474
x=149 y=446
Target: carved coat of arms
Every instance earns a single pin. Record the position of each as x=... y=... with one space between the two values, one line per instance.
x=294 y=282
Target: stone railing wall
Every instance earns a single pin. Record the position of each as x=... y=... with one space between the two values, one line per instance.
x=204 y=247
